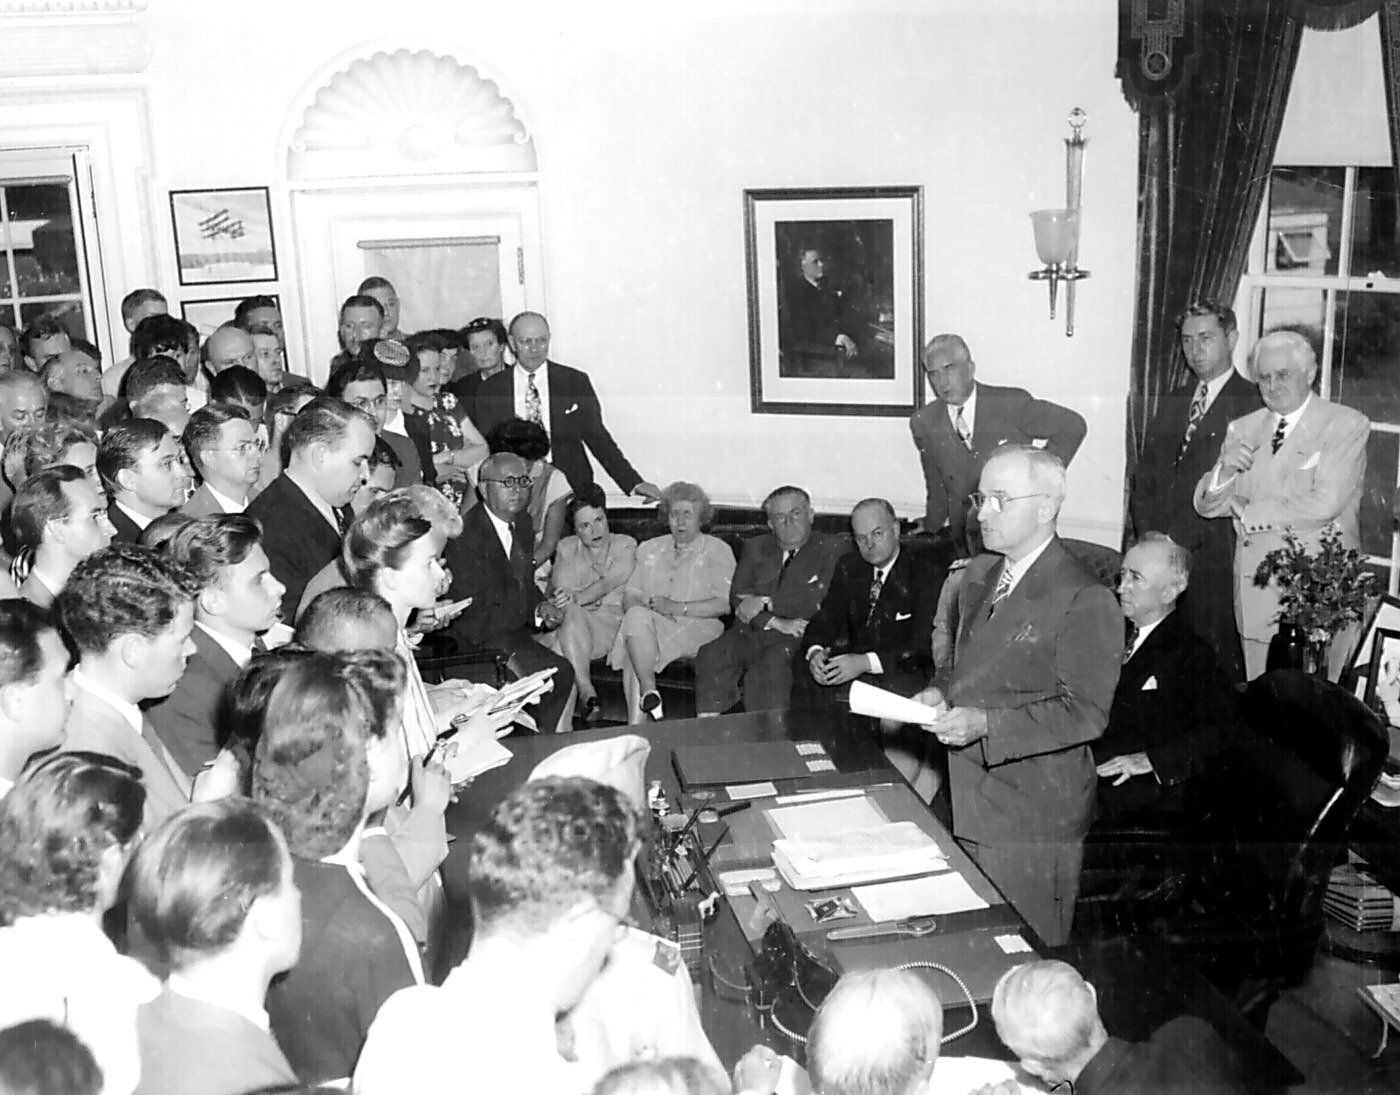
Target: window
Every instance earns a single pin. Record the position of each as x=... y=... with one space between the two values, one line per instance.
x=45 y=229
x=1326 y=261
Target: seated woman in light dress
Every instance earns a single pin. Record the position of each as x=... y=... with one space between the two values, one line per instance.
x=674 y=601
x=590 y=569
x=66 y=831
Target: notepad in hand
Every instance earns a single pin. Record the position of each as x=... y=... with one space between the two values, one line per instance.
x=898 y=849
x=470 y=759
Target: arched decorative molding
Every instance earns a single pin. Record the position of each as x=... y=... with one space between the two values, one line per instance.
x=408 y=113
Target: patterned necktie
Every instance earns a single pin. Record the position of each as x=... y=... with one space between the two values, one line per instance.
x=342 y=519
x=533 y=411
x=960 y=424
x=876 y=584
x=1002 y=591
x=1131 y=641
x=1193 y=418
x=1279 y=432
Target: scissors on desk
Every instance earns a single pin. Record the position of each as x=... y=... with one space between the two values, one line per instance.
x=914 y=927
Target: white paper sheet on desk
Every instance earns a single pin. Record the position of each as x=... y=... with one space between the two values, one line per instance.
x=877 y=703
x=932 y=895
x=826 y=819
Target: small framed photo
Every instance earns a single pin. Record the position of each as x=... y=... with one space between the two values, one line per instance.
x=208 y=314
x=1383 y=679
x=223 y=236
x=835 y=287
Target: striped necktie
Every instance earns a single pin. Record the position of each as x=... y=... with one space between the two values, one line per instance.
x=1002 y=591
x=1193 y=419
x=960 y=424
x=1279 y=433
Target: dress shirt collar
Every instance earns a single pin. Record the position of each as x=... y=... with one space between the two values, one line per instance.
x=883 y=573
x=323 y=507
x=1142 y=633
x=1293 y=419
x=5 y=785
x=227 y=504
x=1018 y=569
x=181 y=985
x=969 y=411
x=1217 y=385
x=395 y=424
x=240 y=654
x=130 y=713
x=140 y=520
x=504 y=532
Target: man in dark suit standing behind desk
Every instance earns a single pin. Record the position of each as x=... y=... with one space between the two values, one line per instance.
x=490 y=563
x=781 y=581
x=561 y=400
x=1040 y=643
x=1182 y=442
x=955 y=433
x=304 y=511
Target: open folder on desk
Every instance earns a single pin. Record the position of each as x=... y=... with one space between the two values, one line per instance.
x=896 y=849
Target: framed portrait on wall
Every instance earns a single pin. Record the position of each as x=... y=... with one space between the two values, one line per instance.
x=835 y=294
x=1383 y=677
x=208 y=314
x=223 y=236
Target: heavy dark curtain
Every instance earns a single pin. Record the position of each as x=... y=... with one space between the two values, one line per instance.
x=1209 y=79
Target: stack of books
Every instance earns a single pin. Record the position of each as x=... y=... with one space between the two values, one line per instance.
x=1359 y=903
x=897 y=849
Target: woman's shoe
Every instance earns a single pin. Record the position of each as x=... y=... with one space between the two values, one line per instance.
x=592 y=710
x=651 y=706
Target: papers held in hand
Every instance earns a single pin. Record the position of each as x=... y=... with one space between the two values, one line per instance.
x=877 y=703
x=468 y=755
x=896 y=849
x=527 y=689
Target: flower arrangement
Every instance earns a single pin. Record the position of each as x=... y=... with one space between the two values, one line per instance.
x=1321 y=592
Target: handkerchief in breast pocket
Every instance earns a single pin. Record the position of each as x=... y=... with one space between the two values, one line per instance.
x=572 y=407
x=900 y=617
x=1312 y=462
x=1149 y=685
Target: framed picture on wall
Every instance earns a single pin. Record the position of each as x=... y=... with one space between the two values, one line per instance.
x=1383 y=679
x=835 y=288
x=223 y=236
x=208 y=314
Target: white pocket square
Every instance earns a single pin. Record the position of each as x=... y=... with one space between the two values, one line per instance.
x=898 y=616
x=1039 y=442
x=1150 y=685
x=572 y=408
x=814 y=578
x=1313 y=461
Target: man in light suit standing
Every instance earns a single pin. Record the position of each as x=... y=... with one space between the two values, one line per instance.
x=955 y=433
x=1039 y=646
x=1297 y=464
x=561 y=400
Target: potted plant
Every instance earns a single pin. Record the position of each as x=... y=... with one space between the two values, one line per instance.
x=1320 y=593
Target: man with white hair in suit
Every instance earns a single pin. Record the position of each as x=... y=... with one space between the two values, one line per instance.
x=1296 y=465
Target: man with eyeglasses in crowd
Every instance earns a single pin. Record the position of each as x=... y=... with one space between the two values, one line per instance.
x=1039 y=646
x=364 y=384
x=224 y=449
x=491 y=563
x=563 y=401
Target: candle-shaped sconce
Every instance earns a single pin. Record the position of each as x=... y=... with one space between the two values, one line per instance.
x=1057 y=230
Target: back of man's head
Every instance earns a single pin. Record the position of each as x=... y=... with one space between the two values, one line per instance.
x=209 y=546
x=325 y=420
x=238 y=384
x=344 y=619
x=122 y=590
x=163 y=334
x=148 y=374
x=1048 y=1015
x=877 y=1033
x=549 y=846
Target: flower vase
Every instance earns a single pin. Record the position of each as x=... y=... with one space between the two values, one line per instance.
x=1291 y=648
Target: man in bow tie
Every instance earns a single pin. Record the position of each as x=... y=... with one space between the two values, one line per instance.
x=1298 y=463
x=1172 y=701
x=1036 y=660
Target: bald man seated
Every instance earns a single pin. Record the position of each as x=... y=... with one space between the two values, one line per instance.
x=878 y=1033
x=1048 y=1016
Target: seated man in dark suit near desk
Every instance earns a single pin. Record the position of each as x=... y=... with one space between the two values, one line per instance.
x=1172 y=699
x=238 y=601
x=781 y=581
x=1048 y=1015
x=304 y=511
x=490 y=563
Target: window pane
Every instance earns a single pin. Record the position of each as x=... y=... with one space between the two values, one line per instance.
x=41 y=232
x=1367 y=371
x=1375 y=229
x=1377 y=523
x=1305 y=220
x=69 y=312
x=1302 y=310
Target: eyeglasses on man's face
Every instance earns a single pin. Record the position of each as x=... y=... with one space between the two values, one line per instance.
x=996 y=502
x=513 y=482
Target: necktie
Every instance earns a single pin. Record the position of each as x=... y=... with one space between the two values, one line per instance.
x=533 y=411
x=876 y=584
x=259 y=647
x=960 y=424
x=342 y=519
x=1131 y=641
x=1193 y=418
x=1279 y=431
x=787 y=561
x=1002 y=591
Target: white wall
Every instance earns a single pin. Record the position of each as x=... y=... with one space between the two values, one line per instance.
x=650 y=125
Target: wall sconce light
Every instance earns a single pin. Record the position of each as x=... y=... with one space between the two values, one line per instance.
x=1057 y=230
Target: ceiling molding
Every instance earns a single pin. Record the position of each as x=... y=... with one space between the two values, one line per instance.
x=73 y=37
